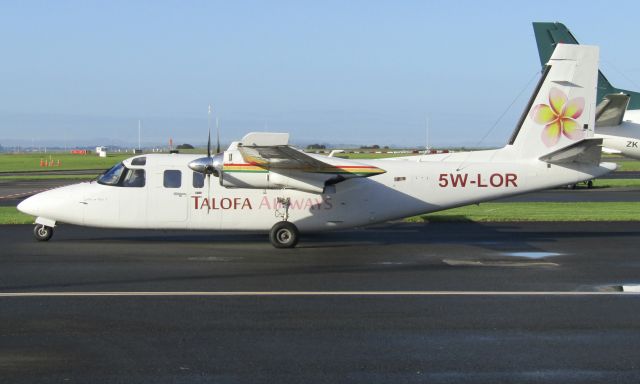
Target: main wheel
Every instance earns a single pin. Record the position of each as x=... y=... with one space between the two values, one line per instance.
x=42 y=232
x=284 y=235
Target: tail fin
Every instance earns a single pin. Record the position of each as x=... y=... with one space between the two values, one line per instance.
x=562 y=109
x=548 y=35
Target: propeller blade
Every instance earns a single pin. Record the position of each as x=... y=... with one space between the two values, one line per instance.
x=209 y=128
x=217 y=136
x=208 y=191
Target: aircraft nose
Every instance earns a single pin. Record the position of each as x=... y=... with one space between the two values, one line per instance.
x=30 y=205
x=61 y=204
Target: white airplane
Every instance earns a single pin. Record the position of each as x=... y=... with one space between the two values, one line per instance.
x=619 y=130
x=263 y=184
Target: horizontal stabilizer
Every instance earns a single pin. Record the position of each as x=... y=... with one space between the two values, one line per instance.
x=611 y=151
x=610 y=112
x=586 y=151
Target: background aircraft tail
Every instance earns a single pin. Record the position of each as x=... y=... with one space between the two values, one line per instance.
x=548 y=35
x=561 y=112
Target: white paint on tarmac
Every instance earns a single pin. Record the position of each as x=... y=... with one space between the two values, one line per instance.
x=635 y=288
x=497 y=263
x=532 y=255
x=23 y=194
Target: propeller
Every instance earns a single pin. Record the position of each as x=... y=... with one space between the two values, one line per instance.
x=210 y=165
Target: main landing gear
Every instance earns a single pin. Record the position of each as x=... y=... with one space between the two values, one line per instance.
x=42 y=232
x=284 y=234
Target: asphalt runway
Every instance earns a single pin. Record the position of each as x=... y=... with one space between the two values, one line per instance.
x=409 y=303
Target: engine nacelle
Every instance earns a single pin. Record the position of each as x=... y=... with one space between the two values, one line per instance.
x=308 y=182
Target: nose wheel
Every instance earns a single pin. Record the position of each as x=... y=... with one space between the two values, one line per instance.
x=42 y=232
x=284 y=235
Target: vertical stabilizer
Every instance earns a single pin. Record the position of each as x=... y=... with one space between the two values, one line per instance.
x=562 y=109
x=548 y=35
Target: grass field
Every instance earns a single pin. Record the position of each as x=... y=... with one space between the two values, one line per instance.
x=356 y=156
x=10 y=215
x=616 y=183
x=631 y=165
x=31 y=162
x=498 y=212
x=25 y=162
x=47 y=177
x=487 y=212
x=600 y=183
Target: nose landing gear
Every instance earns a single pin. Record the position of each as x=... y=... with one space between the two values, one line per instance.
x=42 y=232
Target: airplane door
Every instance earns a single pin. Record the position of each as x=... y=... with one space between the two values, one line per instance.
x=204 y=194
x=168 y=199
x=133 y=198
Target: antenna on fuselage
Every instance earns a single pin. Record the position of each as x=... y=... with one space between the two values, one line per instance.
x=139 y=130
x=426 y=123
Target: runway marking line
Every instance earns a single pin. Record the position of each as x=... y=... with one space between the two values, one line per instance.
x=24 y=194
x=315 y=293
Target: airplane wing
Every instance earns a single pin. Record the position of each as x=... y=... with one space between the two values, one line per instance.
x=610 y=111
x=278 y=156
x=283 y=158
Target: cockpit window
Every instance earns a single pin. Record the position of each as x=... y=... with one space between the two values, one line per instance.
x=139 y=161
x=112 y=176
x=134 y=178
x=121 y=176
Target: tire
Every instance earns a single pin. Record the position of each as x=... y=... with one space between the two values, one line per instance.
x=590 y=184
x=42 y=232
x=284 y=235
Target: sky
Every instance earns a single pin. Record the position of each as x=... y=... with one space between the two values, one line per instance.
x=77 y=73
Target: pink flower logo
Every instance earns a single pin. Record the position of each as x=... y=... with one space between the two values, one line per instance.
x=559 y=117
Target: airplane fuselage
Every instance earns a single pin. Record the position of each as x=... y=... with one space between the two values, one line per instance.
x=410 y=186
x=623 y=138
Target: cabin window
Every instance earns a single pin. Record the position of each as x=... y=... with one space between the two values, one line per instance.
x=139 y=161
x=172 y=178
x=112 y=176
x=134 y=178
x=198 y=180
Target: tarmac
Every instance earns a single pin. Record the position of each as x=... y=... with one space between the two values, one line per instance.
x=409 y=303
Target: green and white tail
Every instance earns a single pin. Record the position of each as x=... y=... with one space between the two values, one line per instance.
x=548 y=35
x=560 y=115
